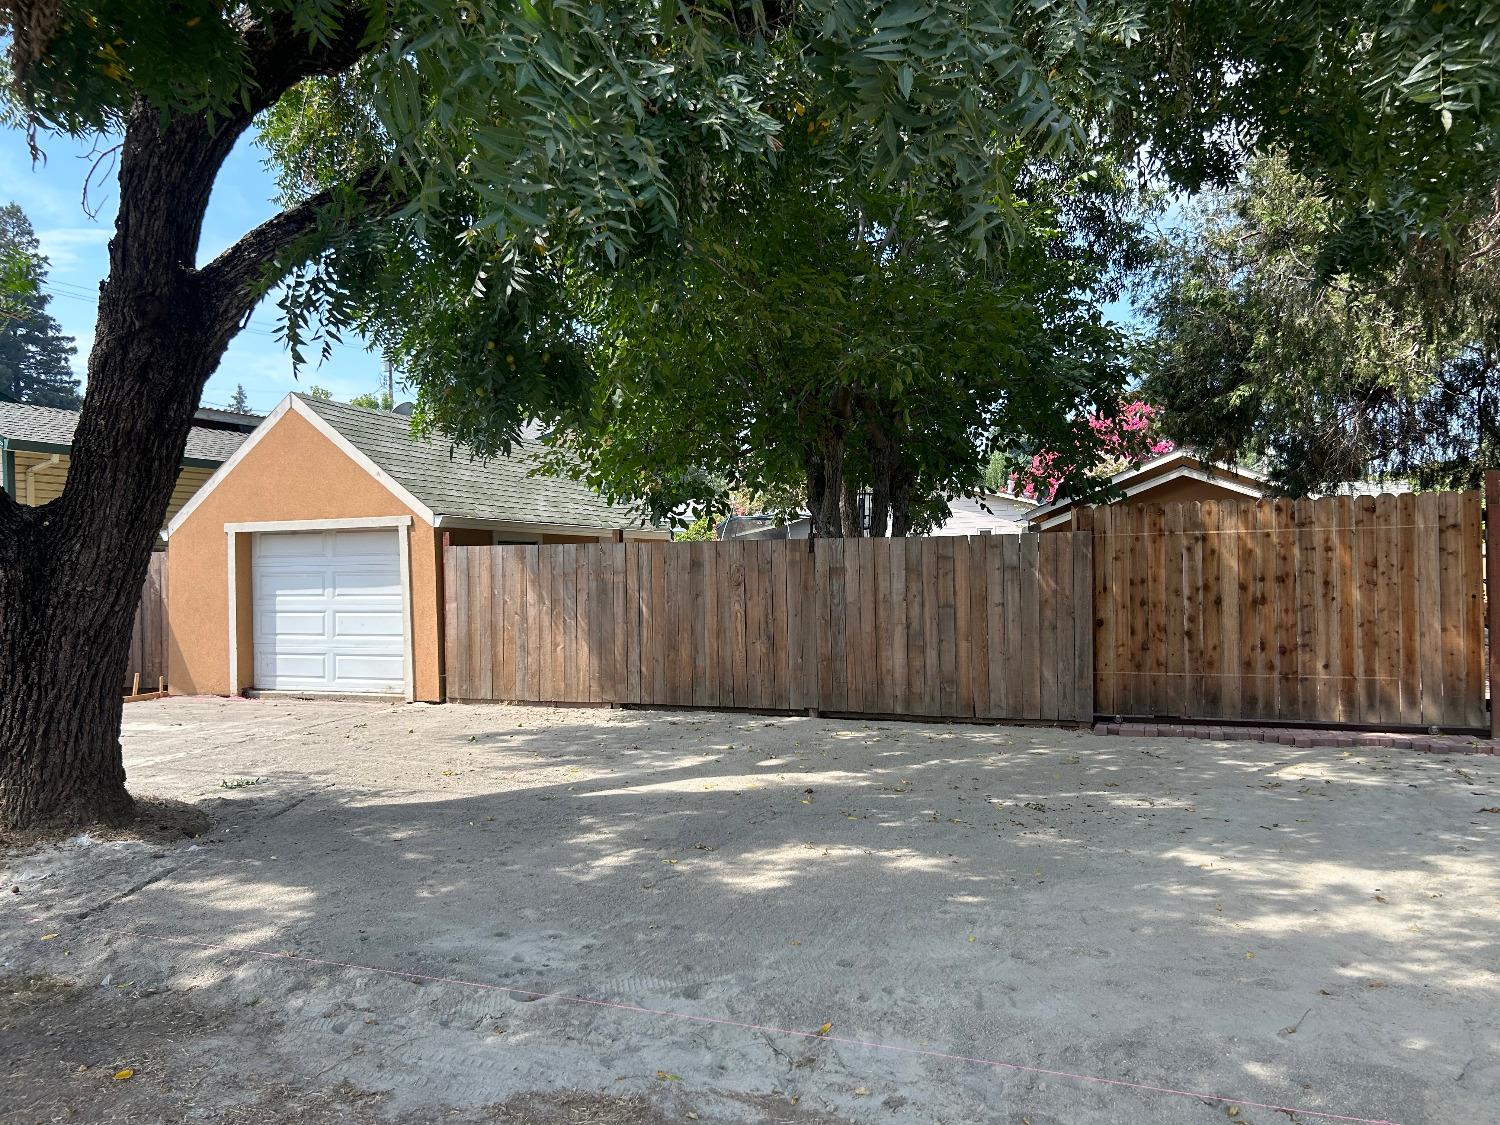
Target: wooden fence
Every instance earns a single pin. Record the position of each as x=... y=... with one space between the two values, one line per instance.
x=1365 y=610
x=148 y=637
x=987 y=627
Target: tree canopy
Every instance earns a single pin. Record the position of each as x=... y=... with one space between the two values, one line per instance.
x=815 y=341
x=35 y=355
x=1257 y=354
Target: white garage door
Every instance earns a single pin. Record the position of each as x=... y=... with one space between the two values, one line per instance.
x=328 y=611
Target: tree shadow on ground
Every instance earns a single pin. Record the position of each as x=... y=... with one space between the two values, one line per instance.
x=1242 y=918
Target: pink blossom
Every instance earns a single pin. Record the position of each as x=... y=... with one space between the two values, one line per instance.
x=1125 y=441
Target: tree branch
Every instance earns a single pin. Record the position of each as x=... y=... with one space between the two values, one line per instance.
x=236 y=279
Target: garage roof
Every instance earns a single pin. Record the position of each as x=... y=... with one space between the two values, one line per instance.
x=50 y=429
x=450 y=481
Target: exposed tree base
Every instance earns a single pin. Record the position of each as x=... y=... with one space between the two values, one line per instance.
x=152 y=820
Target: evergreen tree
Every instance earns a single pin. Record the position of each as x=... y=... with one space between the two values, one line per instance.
x=239 y=402
x=34 y=353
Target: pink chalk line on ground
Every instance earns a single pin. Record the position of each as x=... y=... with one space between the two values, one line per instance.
x=869 y=1044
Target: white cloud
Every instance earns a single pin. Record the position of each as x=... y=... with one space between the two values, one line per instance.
x=76 y=249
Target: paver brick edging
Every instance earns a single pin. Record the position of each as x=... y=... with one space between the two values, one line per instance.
x=1304 y=737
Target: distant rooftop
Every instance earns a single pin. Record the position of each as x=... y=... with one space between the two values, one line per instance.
x=52 y=428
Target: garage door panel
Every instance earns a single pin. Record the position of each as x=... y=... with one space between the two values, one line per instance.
x=295 y=545
x=329 y=611
x=352 y=585
x=354 y=625
x=356 y=667
x=271 y=624
x=305 y=667
x=292 y=584
x=361 y=544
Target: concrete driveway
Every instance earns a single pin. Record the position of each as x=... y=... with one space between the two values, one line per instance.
x=964 y=924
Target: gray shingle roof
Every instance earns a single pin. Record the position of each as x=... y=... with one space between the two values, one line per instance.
x=50 y=425
x=452 y=482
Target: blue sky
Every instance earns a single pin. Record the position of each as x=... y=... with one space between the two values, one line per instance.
x=52 y=195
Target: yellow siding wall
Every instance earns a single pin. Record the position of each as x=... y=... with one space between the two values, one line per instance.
x=189 y=481
x=46 y=483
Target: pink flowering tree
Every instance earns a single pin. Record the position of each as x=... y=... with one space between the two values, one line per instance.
x=1104 y=445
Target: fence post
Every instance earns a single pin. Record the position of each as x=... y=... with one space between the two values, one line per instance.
x=1492 y=588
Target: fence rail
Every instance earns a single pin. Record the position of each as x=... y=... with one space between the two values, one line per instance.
x=1366 y=611
x=981 y=627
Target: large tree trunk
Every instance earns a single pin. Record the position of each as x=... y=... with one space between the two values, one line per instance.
x=849 y=510
x=825 y=487
x=71 y=571
x=901 y=515
x=882 y=460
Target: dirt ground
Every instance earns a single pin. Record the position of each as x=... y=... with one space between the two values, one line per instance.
x=414 y=913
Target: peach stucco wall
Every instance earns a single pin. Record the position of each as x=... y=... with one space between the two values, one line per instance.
x=294 y=473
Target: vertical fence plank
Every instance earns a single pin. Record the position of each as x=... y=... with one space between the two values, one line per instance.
x=1284 y=579
x=1016 y=671
x=1305 y=661
x=1410 y=623
x=1387 y=548
x=1492 y=590
x=1104 y=611
x=932 y=680
x=1450 y=546
x=894 y=625
x=1471 y=585
x=1252 y=610
x=1366 y=622
x=837 y=624
x=977 y=611
x=1045 y=578
x=457 y=591
x=1429 y=602
x=995 y=620
x=792 y=554
x=1030 y=605
x=963 y=700
x=947 y=628
x=854 y=625
x=502 y=684
x=1174 y=700
x=1083 y=625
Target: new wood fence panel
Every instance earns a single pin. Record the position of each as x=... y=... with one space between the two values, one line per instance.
x=1367 y=611
x=1472 y=589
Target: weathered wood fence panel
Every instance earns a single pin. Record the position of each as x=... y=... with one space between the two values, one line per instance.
x=1362 y=610
x=982 y=627
x=148 y=635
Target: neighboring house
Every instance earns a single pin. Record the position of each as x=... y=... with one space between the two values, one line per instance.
x=991 y=513
x=312 y=561
x=35 y=441
x=1171 y=478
